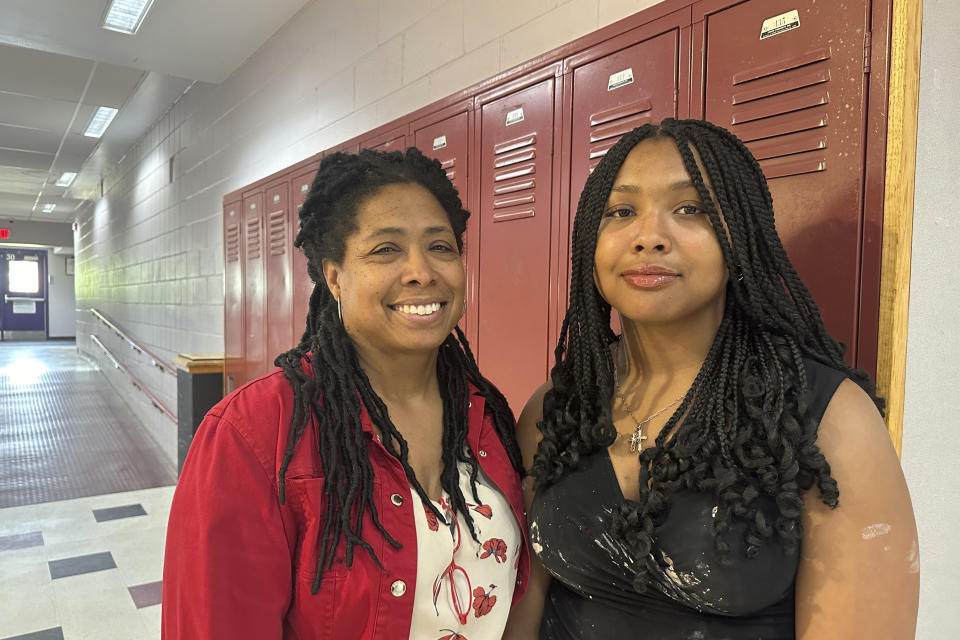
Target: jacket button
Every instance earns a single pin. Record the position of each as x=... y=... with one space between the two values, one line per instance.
x=483 y=454
x=469 y=404
x=398 y=588
x=396 y=499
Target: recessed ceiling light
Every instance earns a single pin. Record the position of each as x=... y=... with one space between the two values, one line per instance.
x=48 y=208
x=126 y=16
x=66 y=179
x=101 y=120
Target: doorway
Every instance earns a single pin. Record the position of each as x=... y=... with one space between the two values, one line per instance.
x=23 y=294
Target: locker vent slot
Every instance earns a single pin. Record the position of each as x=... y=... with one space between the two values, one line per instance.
x=253 y=239
x=780 y=111
x=607 y=127
x=514 y=178
x=278 y=233
x=233 y=243
x=450 y=167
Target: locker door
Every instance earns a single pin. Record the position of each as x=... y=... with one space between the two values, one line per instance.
x=302 y=284
x=350 y=146
x=395 y=140
x=611 y=96
x=448 y=142
x=278 y=265
x=515 y=208
x=797 y=98
x=233 y=334
x=254 y=342
x=617 y=93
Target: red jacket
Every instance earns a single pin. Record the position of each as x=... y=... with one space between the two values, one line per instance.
x=240 y=565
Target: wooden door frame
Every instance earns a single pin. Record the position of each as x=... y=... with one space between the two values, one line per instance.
x=900 y=172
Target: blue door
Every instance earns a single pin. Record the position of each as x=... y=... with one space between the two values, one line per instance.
x=23 y=293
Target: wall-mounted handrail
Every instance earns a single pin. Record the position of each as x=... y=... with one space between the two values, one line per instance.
x=134 y=345
x=133 y=379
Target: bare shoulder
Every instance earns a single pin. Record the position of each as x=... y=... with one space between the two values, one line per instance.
x=852 y=430
x=858 y=573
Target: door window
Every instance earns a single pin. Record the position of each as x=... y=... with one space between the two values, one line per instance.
x=24 y=276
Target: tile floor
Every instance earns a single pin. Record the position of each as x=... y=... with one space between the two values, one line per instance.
x=66 y=575
x=84 y=500
x=64 y=434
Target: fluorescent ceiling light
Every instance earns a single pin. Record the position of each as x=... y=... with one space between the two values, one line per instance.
x=48 y=208
x=126 y=16
x=101 y=120
x=66 y=179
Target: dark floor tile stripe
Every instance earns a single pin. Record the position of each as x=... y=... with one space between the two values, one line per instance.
x=145 y=595
x=46 y=634
x=81 y=564
x=21 y=541
x=115 y=513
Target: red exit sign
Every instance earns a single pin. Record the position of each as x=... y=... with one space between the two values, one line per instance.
x=4 y=234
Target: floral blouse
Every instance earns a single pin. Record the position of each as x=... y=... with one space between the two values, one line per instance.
x=464 y=587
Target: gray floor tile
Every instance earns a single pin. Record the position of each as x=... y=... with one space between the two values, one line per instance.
x=21 y=541
x=115 y=513
x=47 y=634
x=81 y=564
x=145 y=595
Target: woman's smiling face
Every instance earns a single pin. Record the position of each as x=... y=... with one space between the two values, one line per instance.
x=401 y=284
x=657 y=258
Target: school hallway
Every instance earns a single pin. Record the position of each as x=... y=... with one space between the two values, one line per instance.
x=84 y=499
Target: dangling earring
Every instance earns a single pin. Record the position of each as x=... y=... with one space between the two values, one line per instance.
x=738 y=272
x=340 y=313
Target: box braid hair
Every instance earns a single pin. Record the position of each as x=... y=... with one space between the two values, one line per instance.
x=742 y=427
x=339 y=388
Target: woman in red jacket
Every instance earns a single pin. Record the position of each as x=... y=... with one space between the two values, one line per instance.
x=370 y=486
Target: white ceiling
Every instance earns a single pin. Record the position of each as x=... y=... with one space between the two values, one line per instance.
x=57 y=65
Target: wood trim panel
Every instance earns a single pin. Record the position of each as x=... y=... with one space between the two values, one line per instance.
x=901 y=165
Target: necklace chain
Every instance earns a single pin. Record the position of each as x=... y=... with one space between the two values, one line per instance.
x=637 y=437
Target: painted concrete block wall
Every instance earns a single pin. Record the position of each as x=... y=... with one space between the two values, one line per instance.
x=149 y=251
x=931 y=426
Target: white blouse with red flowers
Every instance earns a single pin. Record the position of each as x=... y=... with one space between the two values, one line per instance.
x=464 y=587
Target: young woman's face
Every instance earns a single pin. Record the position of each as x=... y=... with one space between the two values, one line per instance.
x=658 y=260
x=401 y=285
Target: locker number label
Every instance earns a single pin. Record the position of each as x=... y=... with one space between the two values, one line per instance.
x=514 y=116
x=780 y=24
x=440 y=142
x=620 y=79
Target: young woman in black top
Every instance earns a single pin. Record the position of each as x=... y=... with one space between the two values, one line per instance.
x=717 y=471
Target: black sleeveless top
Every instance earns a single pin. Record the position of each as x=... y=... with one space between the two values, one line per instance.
x=695 y=597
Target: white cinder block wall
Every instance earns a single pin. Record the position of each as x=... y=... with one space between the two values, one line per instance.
x=149 y=252
x=931 y=422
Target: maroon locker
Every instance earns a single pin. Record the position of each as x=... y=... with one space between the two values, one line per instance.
x=302 y=284
x=278 y=266
x=448 y=141
x=393 y=140
x=614 y=94
x=617 y=93
x=516 y=191
x=233 y=366
x=254 y=342
x=350 y=146
x=797 y=97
